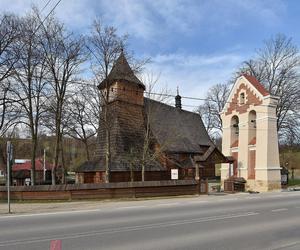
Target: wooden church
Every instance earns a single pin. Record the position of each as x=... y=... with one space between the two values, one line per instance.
x=145 y=131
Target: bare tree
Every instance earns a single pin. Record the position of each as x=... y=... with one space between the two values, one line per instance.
x=215 y=100
x=276 y=66
x=83 y=115
x=150 y=152
x=105 y=46
x=64 y=56
x=29 y=85
x=9 y=34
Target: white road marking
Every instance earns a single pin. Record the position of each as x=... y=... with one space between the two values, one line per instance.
x=193 y=202
x=252 y=198
x=124 y=229
x=166 y=204
x=229 y=199
x=286 y=245
x=131 y=207
x=279 y=210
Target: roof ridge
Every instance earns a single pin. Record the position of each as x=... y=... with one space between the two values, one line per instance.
x=168 y=105
x=121 y=70
x=256 y=84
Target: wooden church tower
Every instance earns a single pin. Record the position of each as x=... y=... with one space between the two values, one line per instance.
x=124 y=120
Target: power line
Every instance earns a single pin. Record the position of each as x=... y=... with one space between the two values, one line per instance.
x=84 y=82
x=45 y=6
x=42 y=22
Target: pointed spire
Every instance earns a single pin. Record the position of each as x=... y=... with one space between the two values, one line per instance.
x=178 y=99
x=121 y=71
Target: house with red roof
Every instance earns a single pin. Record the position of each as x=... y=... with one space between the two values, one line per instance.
x=21 y=171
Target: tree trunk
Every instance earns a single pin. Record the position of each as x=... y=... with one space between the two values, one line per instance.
x=143 y=171
x=63 y=177
x=53 y=174
x=33 y=155
x=107 y=158
x=57 y=144
x=107 y=135
x=87 y=152
x=131 y=173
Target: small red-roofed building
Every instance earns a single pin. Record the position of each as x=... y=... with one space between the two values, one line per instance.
x=21 y=172
x=250 y=135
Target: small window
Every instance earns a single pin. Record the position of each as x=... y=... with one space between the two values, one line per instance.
x=242 y=98
x=123 y=88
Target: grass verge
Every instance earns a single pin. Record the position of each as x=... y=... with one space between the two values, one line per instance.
x=294 y=182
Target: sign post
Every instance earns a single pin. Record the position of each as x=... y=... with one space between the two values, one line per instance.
x=9 y=151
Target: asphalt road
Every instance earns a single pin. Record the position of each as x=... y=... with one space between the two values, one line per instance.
x=245 y=221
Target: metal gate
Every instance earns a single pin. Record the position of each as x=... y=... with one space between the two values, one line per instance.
x=203 y=185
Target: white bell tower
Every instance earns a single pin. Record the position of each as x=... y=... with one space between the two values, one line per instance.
x=250 y=135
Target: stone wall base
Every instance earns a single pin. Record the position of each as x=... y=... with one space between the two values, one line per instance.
x=259 y=185
x=262 y=185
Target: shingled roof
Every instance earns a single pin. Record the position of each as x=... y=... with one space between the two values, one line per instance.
x=121 y=71
x=176 y=130
x=256 y=84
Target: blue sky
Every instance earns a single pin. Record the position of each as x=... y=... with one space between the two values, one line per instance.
x=193 y=44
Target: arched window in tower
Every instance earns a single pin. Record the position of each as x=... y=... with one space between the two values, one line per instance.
x=251 y=144
x=234 y=131
x=252 y=127
x=234 y=127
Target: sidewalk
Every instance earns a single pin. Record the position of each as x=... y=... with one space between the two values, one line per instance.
x=20 y=207
x=35 y=207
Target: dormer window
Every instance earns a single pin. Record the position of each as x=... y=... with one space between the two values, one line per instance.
x=242 y=98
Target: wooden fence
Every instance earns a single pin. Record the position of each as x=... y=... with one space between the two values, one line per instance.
x=103 y=190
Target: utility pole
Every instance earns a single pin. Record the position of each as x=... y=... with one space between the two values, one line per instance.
x=9 y=151
x=44 y=165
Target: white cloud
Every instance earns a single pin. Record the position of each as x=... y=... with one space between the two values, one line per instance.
x=150 y=20
x=194 y=74
x=76 y=14
x=157 y=22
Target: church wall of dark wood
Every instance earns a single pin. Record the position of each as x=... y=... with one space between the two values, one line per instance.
x=126 y=127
